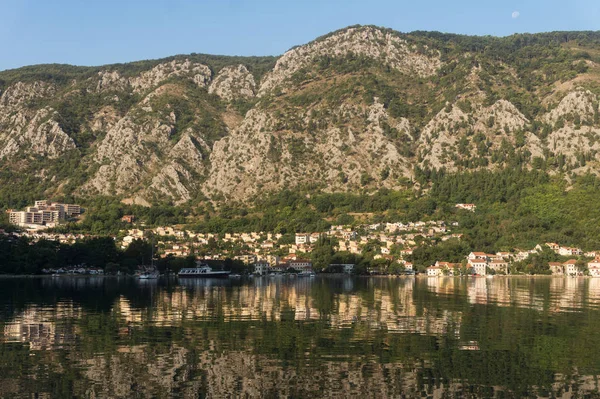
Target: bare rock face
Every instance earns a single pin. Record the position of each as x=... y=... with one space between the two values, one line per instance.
x=501 y=116
x=441 y=133
x=449 y=135
x=20 y=93
x=140 y=155
x=370 y=42
x=104 y=119
x=259 y=156
x=27 y=130
x=198 y=73
x=176 y=180
x=580 y=103
x=111 y=81
x=233 y=82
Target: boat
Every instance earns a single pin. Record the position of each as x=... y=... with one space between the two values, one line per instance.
x=306 y=274
x=235 y=276
x=149 y=275
x=202 y=270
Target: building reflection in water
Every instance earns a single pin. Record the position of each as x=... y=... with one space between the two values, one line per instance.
x=376 y=337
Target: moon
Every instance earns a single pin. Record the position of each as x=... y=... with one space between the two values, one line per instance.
x=515 y=14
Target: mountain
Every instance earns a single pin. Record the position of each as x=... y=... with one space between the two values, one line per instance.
x=358 y=109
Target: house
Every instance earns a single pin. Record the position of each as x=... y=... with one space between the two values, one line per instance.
x=302 y=238
x=434 y=271
x=499 y=266
x=408 y=266
x=468 y=207
x=478 y=266
x=128 y=219
x=261 y=267
x=568 y=251
x=594 y=267
x=302 y=265
x=570 y=267
x=477 y=255
x=553 y=246
x=556 y=268
x=406 y=252
x=450 y=267
x=246 y=258
x=280 y=268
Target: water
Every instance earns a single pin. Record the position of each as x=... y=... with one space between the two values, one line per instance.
x=343 y=337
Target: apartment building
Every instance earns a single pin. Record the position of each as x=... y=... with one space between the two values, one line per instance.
x=43 y=212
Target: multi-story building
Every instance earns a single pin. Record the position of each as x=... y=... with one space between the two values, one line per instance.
x=302 y=265
x=43 y=212
x=479 y=266
x=261 y=267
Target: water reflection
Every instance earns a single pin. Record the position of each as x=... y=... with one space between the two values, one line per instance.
x=332 y=336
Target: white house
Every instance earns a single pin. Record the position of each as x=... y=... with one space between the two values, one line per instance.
x=570 y=267
x=594 y=267
x=479 y=266
x=434 y=271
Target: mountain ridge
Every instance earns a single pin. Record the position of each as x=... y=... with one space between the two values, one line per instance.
x=356 y=109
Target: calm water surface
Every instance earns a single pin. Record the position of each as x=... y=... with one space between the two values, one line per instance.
x=340 y=337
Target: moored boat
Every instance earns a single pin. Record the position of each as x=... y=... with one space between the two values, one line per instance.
x=149 y=275
x=202 y=270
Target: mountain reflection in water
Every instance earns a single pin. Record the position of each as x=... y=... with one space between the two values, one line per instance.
x=302 y=337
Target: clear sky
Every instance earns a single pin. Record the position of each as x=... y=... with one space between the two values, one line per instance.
x=96 y=32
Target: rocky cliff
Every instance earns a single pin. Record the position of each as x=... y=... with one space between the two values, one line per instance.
x=357 y=109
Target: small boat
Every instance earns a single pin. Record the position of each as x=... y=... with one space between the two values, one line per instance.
x=306 y=274
x=235 y=276
x=202 y=270
x=149 y=275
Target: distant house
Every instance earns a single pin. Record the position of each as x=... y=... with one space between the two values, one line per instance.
x=556 y=268
x=570 y=267
x=408 y=251
x=478 y=265
x=302 y=238
x=477 y=255
x=450 y=267
x=468 y=207
x=247 y=259
x=594 y=267
x=568 y=251
x=499 y=266
x=128 y=218
x=434 y=271
x=553 y=246
x=261 y=267
x=302 y=265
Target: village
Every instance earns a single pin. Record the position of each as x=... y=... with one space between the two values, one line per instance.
x=391 y=245
x=483 y=264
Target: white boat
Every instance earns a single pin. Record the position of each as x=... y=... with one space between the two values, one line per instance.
x=149 y=275
x=306 y=274
x=202 y=270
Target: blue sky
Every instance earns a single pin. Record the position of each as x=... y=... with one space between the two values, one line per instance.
x=96 y=32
